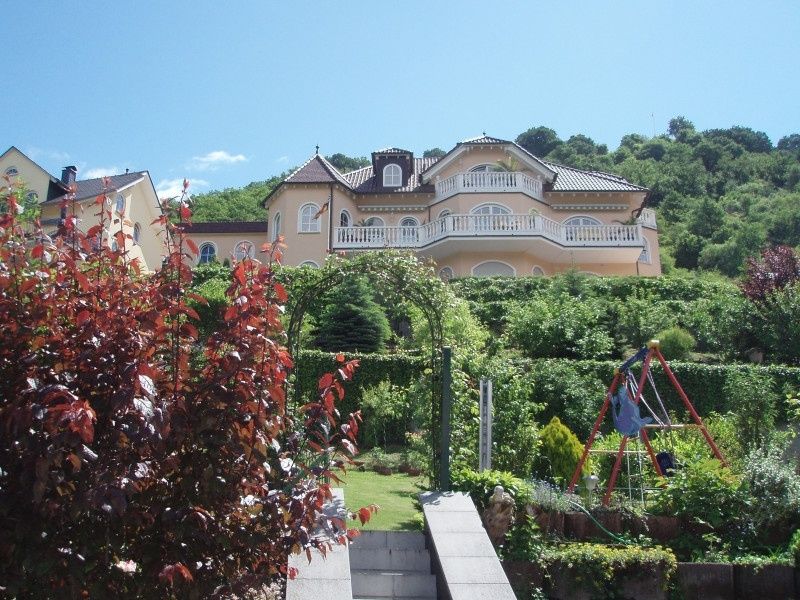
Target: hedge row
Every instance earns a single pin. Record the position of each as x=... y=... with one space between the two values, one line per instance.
x=704 y=384
x=400 y=369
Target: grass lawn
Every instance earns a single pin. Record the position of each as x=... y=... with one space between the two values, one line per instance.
x=395 y=494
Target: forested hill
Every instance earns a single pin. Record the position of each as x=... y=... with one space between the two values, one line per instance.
x=721 y=195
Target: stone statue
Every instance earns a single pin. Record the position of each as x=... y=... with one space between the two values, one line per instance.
x=499 y=515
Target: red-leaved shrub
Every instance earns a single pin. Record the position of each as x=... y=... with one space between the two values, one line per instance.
x=132 y=462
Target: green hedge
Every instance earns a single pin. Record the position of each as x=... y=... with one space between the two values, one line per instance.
x=400 y=369
x=704 y=384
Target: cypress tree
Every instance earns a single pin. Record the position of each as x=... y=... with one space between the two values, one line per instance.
x=352 y=320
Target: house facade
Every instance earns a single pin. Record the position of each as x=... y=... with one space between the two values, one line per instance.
x=135 y=204
x=487 y=207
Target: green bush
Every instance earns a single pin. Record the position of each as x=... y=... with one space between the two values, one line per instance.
x=561 y=451
x=705 y=491
x=558 y=326
x=212 y=289
x=387 y=413
x=352 y=320
x=774 y=487
x=752 y=398
x=676 y=343
x=597 y=565
x=480 y=486
x=794 y=547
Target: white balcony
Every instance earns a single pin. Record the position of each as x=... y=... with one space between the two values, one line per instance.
x=509 y=226
x=647 y=218
x=489 y=181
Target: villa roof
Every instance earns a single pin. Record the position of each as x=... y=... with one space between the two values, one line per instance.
x=91 y=188
x=317 y=170
x=485 y=139
x=226 y=227
x=570 y=179
x=392 y=151
x=363 y=181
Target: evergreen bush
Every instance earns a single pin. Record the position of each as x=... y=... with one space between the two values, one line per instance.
x=561 y=450
x=676 y=343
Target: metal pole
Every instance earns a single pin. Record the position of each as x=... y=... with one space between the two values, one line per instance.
x=447 y=400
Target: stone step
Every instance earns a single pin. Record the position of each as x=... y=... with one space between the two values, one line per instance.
x=396 y=559
x=392 y=584
x=410 y=540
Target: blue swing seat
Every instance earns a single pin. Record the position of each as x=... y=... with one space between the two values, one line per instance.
x=625 y=413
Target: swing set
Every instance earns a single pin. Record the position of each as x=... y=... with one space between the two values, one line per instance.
x=624 y=397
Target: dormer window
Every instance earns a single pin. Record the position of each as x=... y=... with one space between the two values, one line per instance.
x=392 y=175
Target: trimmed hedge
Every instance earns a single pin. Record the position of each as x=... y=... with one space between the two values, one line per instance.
x=400 y=369
x=704 y=384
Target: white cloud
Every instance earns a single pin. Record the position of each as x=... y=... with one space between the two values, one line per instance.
x=282 y=159
x=214 y=160
x=101 y=172
x=172 y=188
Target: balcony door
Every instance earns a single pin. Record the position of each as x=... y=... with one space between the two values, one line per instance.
x=490 y=217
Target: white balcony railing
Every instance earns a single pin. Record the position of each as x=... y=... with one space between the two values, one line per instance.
x=647 y=218
x=510 y=225
x=489 y=181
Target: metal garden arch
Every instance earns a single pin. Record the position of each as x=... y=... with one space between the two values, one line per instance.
x=402 y=275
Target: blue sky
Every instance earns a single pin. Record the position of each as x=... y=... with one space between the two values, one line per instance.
x=225 y=93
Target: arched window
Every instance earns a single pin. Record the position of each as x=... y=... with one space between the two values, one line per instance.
x=374 y=231
x=208 y=253
x=491 y=209
x=276 y=226
x=538 y=271
x=582 y=221
x=445 y=273
x=344 y=219
x=137 y=233
x=309 y=263
x=574 y=231
x=244 y=249
x=308 y=221
x=32 y=196
x=490 y=268
x=120 y=206
x=392 y=176
x=645 y=257
x=374 y=222
x=12 y=171
x=445 y=212
x=482 y=168
x=408 y=230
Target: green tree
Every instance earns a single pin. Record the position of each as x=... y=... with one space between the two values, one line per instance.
x=234 y=204
x=433 y=153
x=560 y=452
x=352 y=320
x=345 y=163
x=539 y=141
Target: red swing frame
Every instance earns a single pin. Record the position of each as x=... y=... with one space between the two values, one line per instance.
x=653 y=349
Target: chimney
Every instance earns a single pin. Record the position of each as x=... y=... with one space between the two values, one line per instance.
x=68 y=175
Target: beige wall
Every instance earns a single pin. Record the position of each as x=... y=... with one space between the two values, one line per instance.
x=305 y=247
x=226 y=243
x=34 y=178
x=472 y=156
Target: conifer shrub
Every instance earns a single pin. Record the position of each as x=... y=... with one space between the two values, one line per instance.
x=676 y=343
x=352 y=320
x=560 y=452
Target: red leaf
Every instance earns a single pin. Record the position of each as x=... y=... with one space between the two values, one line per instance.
x=364 y=515
x=38 y=251
x=230 y=313
x=239 y=274
x=325 y=381
x=177 y=571
x=186 y=213
x=340 y=358
x=192 y=246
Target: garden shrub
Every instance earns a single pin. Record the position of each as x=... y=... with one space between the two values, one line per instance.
x=676 y=343
x=774 y=486
x=794 y=547
x=480 y=486
x=352 y=320
x=125 y=470
x=752 y=398
x=597 y=565
x=386 y=414
x=705 y=491
x=558 y=326
x=561 y=451
x=211 y=304
x=562 y=390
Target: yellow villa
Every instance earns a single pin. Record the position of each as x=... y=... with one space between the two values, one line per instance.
x=134 y=201
x=487 y=207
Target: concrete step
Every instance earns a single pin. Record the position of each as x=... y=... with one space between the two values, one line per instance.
x=409 y=540
x=392 y=584
x=395 y=559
